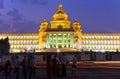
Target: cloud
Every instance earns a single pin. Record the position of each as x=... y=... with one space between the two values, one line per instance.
x=19 y=27
x=12 y=0
x=0 y=14
x=26 y=27
x=16 y=16
x=41 y=2
x=4 y=27
x=1 y=21
x=1 y=4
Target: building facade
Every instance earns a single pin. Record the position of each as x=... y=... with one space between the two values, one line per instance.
x=60 y=33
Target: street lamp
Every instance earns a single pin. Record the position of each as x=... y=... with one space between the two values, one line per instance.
x=58 y=50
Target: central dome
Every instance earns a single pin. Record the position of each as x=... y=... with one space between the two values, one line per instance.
x=60 y=14
x=60 y=18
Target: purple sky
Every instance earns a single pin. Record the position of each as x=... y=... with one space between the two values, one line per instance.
x=25 y=16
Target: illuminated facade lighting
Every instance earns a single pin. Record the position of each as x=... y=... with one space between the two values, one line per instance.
x=59 y=34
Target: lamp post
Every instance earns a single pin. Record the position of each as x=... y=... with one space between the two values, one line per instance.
x=77 y=46
x=58 y=52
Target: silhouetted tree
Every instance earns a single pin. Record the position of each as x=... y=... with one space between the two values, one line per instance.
x=4 y=46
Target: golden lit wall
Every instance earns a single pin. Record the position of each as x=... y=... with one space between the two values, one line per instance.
x=21 y=42
x=101 y=42
x=77 y=40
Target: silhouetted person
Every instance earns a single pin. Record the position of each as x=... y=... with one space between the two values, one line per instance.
x=49 y=67
x=63 y=61
x=16 y=65
x=1 y=67
x=7 y=69
x=24 y=67
x=58 y=66
x=74 y=65
x=55 y=66
x=0 y=60
x=34 y=66
x=31 y=66
x=13 y=57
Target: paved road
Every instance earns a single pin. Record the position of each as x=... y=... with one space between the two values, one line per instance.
x=86 y=70
x=82 y=73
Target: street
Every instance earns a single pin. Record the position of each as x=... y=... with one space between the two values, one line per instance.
x=86 y=70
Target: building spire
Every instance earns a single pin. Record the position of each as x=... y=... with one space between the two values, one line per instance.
x=44 y=19
x=76 y=20
x=60 y=7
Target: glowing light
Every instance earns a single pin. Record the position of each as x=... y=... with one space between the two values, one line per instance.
x=103 y=51
x=63 y=36
x=58 y=50
x=97 y=50
x=14 y=50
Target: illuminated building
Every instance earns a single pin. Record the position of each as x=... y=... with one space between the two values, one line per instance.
x=62 y=34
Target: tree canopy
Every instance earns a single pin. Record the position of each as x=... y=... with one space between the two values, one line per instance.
x=4 y=46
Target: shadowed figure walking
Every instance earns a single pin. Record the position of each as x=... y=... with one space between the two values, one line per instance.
x=74 y=65
x=24 y=67
x=1 y=66
x=49 y=67
x=16 y=66
x=7 y=69
x=63 y=61
x=55 y=66
x=31 y=66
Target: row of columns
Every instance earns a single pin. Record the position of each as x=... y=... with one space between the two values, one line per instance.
x=60 y=40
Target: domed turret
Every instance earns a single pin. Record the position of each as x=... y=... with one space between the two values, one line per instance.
x=60 y=14
x=76 y=25
x=76 y=22
x=44 y=25
x=60 y=18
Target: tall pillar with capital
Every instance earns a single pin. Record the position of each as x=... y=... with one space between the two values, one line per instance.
x=67 y=40
x=52 y=41
x=43 y=28
x=62 y=40
x=77 y=28
x=56 y=40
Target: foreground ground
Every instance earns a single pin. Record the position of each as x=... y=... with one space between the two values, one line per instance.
x=83 y=73
x=86 y=70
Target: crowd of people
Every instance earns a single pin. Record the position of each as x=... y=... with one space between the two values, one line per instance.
x=13 y=66
x=55 y=66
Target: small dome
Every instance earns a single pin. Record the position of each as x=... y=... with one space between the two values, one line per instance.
x=44 y=22
x=76 y=22
x=60 y=14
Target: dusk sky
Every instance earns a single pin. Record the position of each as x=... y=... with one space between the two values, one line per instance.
x=25 y=16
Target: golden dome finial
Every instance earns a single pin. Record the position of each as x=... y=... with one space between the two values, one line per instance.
x=44 y=22
x=60 y=14
x=60 y=7
x=76 y=20
x=44 y=19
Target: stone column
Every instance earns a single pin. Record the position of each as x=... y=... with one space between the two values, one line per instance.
x=67 y=40
x=56 y=40
x=62 y=40
x=52 y=41
x=49 y=40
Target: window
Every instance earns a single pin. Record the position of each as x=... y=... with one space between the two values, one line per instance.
x=92 y=36
x=24 y=37
x=18 y=37
x=104 y=37
x=27 y=37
